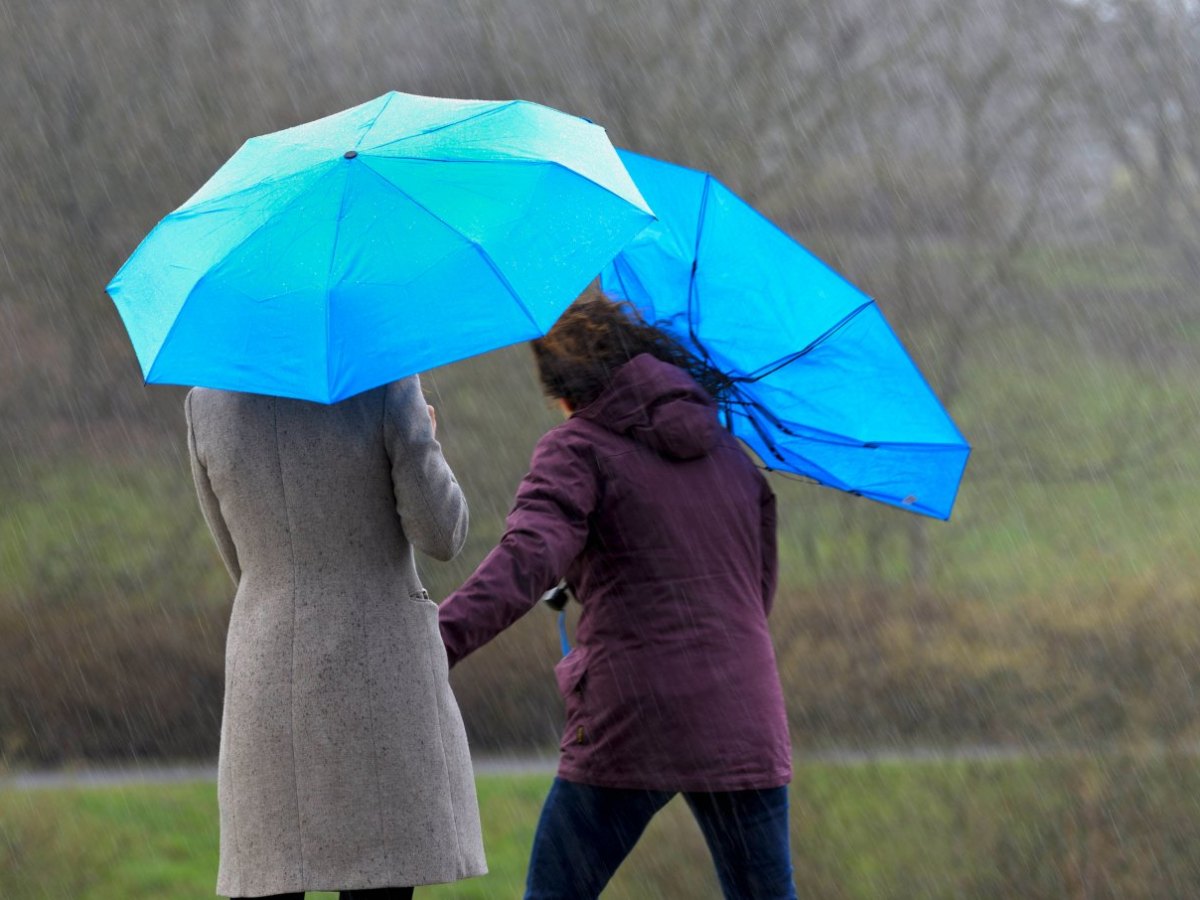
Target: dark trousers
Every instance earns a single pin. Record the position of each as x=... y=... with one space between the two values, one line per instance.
x=370 y=894
x=585 y=833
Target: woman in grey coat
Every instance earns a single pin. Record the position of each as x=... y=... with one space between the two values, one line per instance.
x=343 y=761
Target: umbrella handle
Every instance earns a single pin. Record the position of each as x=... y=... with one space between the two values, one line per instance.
x=564 y=641
x=557 y=599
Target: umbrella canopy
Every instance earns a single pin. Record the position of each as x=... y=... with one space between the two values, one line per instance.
x=398 y=235
x=818 y=384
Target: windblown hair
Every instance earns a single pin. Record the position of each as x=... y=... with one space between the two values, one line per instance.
x=578 y=357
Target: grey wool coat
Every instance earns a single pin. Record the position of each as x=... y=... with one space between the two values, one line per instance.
x=343 y=760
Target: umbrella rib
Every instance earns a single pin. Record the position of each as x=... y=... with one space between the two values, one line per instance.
x=774 y=227
x=878 y=496
x=783 y=362
x=693 y=307
x=823 y=476
x=337 y=234
x=491 y=264
x=202 y=207
x=170 y=331
x=519 y=161
x=225 y=256
x=219 y=197
x=831 y=438
x=617 y=267
x=475 y=115
x=375 y=118
x=762 y=434
x=835 y=439
x=794 y=476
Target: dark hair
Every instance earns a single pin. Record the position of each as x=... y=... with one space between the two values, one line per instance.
x=578 y=357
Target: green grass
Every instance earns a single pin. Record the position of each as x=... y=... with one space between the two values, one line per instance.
x=1083 y=477
x=80 y=532
x=1025 y=828
x=1106 y=268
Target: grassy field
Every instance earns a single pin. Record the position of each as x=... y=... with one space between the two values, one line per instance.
x=1087 y=827
x=1080 y=408
x=1093 y=482
x=1060 y=605
x=1083 y=474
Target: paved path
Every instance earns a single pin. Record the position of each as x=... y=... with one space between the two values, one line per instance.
x=533 y=765
x=152 y=774
x=525 y=765
x=529 y=765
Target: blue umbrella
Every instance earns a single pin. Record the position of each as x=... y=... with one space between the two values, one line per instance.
x=398 y=235
x=817 y=383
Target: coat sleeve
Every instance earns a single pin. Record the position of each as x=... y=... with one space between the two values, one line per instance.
x=546 y=530
x=429 y=501
x=770 y=549
x=209 y=505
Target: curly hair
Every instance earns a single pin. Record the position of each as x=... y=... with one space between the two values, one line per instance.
x=578 y=357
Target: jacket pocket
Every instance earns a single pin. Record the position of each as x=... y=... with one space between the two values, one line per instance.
x=570 y=673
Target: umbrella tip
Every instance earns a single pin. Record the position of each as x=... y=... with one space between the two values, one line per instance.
x=350 y=154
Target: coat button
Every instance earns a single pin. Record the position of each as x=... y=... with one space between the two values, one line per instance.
x=579 y=735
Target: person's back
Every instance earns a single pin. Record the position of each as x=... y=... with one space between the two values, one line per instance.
x=343 y=759
x=304 y=488
x=669 y=468
x=676 y=581
x=666 y=532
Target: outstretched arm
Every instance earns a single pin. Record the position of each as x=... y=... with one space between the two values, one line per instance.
x=546 y=530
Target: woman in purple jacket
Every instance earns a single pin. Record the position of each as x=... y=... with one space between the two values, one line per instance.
x=665 y=530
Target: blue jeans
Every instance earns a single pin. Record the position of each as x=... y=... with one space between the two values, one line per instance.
x=585 y=833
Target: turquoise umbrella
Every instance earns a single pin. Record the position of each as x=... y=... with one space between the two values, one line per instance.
x=816 y=383
x=398 y=235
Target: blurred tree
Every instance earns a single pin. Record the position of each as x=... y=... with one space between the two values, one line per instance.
x=1143 y=100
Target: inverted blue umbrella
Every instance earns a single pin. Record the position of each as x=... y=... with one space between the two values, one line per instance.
x=398 y=235
x=816 y=382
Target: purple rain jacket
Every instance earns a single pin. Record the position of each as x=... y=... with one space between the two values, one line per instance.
x=665 y=530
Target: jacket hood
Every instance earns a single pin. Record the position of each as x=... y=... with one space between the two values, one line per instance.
x=659 y=405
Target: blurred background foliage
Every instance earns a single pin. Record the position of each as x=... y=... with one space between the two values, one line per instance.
x=1016 y=181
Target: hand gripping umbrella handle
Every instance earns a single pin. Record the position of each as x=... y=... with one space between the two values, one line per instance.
x=557 y=599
